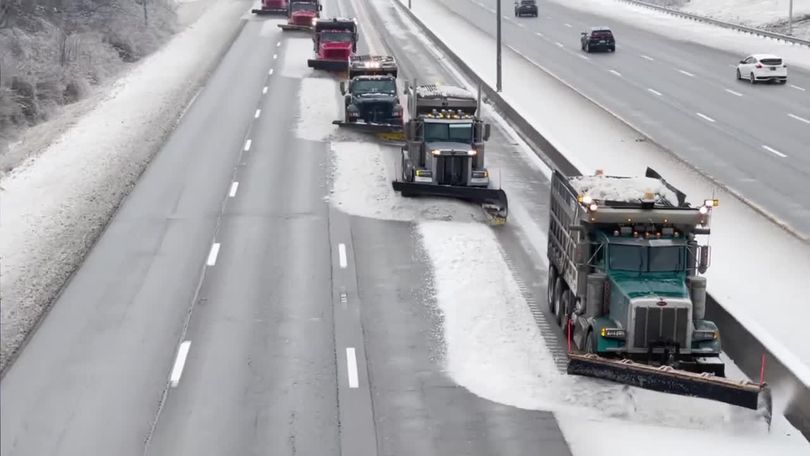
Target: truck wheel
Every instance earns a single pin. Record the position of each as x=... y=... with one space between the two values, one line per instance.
x=590 y=342
x=565 y=309
x=552 y=278
x=559 y=288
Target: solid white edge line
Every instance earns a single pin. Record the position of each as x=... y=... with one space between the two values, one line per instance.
x=351 y=367
x=655 y=92
x=248 y=143
x=342 y=255
x=647 y=57
x=733 y=92
x=179 y=363
x=686 y=73
x=704 y=116
x=258 y=113
x=234 y=188
x=798 y=88
x=800 y=119
x=774 y=151
x=212 y=254
x=615 y=72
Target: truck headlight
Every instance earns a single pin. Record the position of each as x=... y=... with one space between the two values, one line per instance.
x=613 y=333
x=703 y=335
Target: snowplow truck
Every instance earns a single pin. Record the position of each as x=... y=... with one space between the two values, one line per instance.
x=625 y=283
x=275 y=7
x=335 y=41
x=371 y=99
x=444 y=149
x=301 y=15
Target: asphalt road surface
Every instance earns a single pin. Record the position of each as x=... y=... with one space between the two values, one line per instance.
x=227 y=309
x=685 y=96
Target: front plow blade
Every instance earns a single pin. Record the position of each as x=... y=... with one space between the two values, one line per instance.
x=328 y=65
x=374 y=128
x=492 y=200
x=270 y=12
x=668 y=380
x=289 y=27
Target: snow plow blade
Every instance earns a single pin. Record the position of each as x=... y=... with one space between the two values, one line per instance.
x=328 y=65
x=492 y=200
x=668 y=380
x=289 y=27
x=270 y=12
x=369 y=127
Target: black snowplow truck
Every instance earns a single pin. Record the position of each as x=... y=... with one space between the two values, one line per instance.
x=443 y=153
x=371 y=100
x=625 y=282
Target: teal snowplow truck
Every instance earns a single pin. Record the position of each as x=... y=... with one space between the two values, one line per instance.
x=625 y=283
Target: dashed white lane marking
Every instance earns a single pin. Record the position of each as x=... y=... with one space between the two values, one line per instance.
x=615 y=72
x=212 y=254
x=647 y=57
x=559 y=44
x=798 y=88
x=278 y=44
x=248 y=143
x=705 y=117
x=234 y=187
x=351 y=367
x=264 y=90
x=686 y=73
x=275 y=56
x=491 y=10
x=655 y=92
x=538 y=34
x=583 y=57
x=270 y=72
x=258 y=113
x=568 y=25
x=342 y=255
x=734 y=93
x=800 y=119
x=505 y=17
x=179 y=363
x=774 y=151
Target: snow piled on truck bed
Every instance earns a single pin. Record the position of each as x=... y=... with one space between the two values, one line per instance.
x=496 y=351
x=629 y=189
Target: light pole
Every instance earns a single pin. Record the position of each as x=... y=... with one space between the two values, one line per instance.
x=498 y=77
x=790 y=18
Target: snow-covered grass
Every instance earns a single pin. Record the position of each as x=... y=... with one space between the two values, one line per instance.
x=54 y=206
x=495 y=350
x=698 y=32
x=753 y=13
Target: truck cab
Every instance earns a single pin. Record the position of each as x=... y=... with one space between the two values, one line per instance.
x=334 y=41
x=303 y=14
x=278 y=7
x=372 y=99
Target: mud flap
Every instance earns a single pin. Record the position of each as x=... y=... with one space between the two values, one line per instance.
x=668 y=380
x=270 y=12
x=492 y=200
x=329 y=65
x=289 y=27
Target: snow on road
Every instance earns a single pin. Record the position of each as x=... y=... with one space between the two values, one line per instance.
x=495 y=350
x=612 y=146
x=54 y=206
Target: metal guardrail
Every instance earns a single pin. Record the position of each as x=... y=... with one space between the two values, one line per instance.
x=728 y=25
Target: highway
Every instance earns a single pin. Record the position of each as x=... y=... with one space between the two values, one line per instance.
x=752 y=139
x=229 y=309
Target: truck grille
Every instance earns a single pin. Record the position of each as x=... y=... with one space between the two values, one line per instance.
x=660 y=324
x=376 y=112
x=452 y=169
x=336 y=54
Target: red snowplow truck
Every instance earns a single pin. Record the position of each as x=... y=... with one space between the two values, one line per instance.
x=275 y=7
x=301 y=15
x=335 y=41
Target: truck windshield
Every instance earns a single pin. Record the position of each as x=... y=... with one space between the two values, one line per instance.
x=666 y=259
x=371 y=86
x=647 y=259
x=334 y=36
x=304 y=7
x=627 y=257
x=449 y=132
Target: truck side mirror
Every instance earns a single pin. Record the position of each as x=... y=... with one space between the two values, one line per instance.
x=486 y=132
x=704 y=258
x=343 y=87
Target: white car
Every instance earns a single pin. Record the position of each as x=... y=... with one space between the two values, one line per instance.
x=762 y=67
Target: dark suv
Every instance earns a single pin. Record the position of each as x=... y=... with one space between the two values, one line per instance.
x=598 y=38
x=526 y=8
